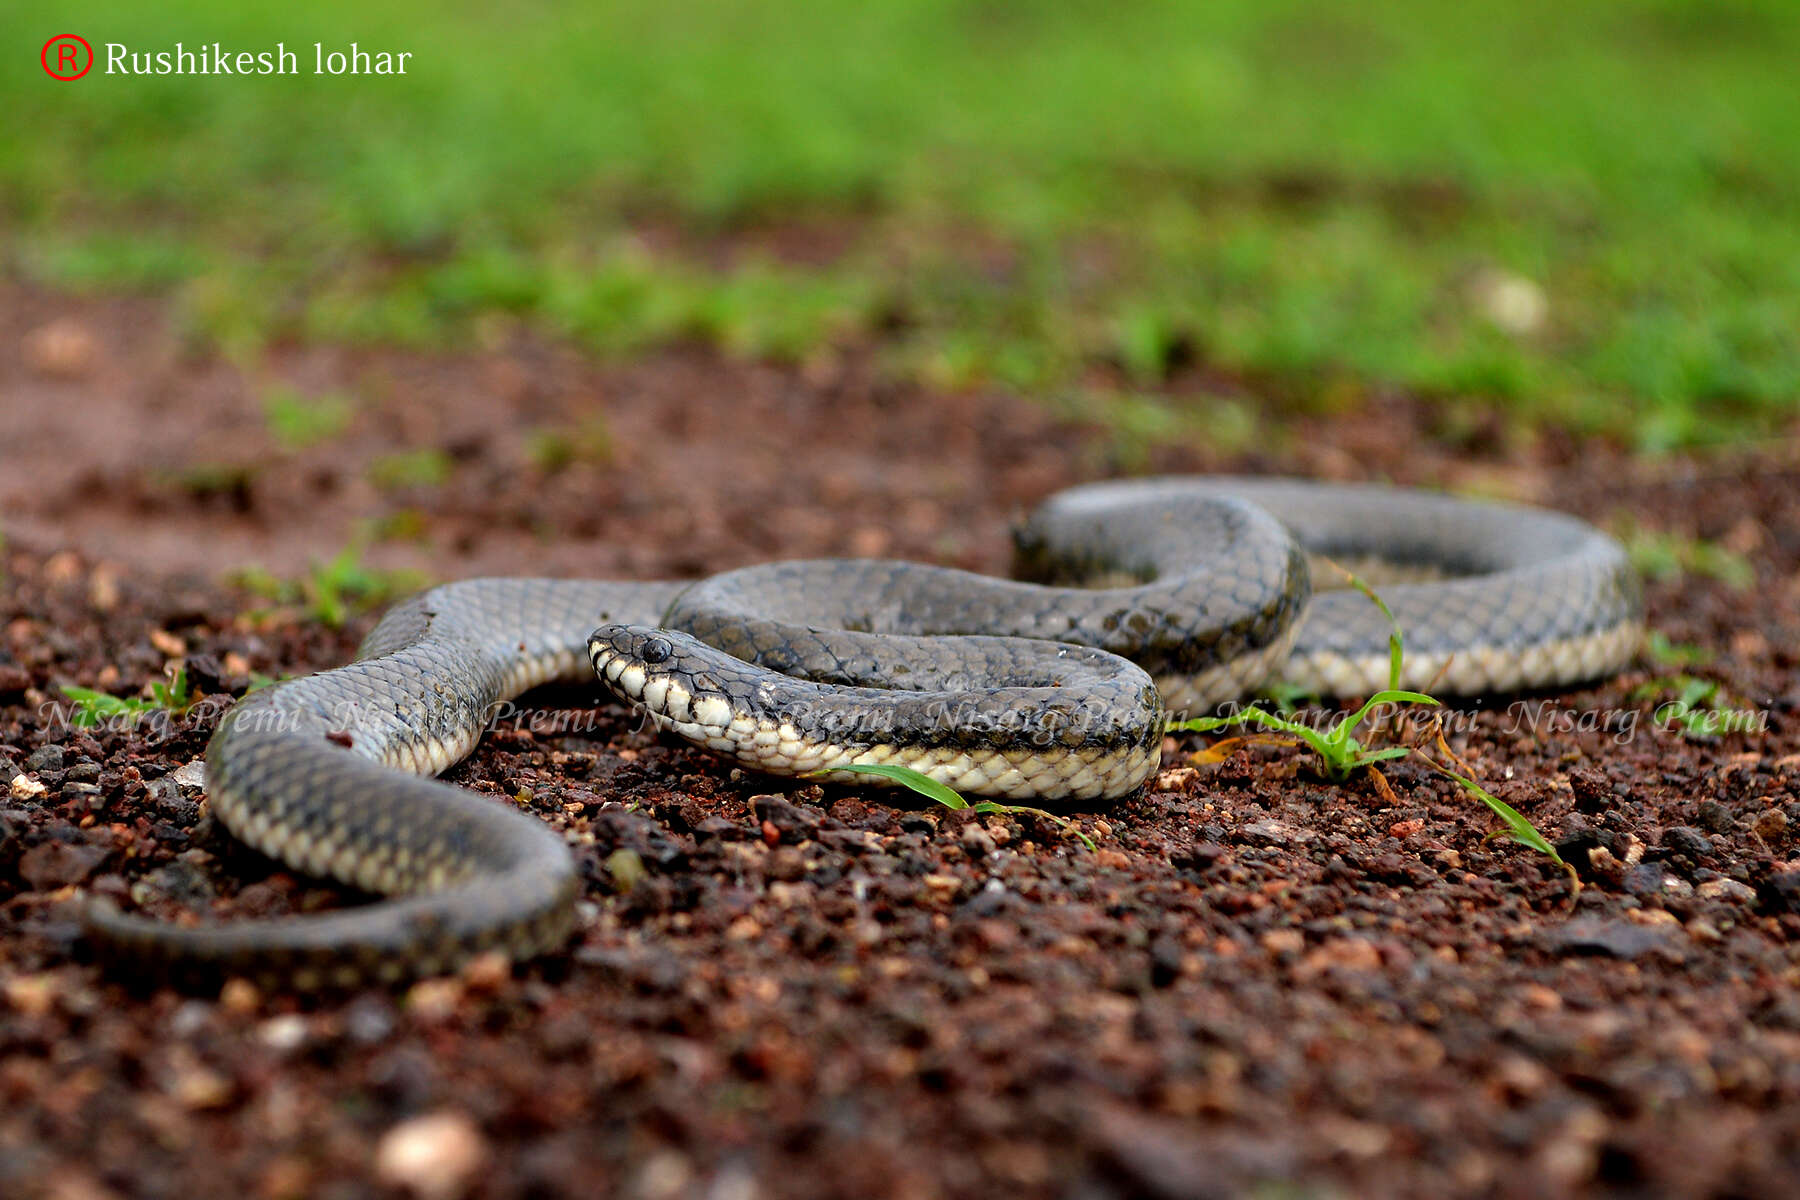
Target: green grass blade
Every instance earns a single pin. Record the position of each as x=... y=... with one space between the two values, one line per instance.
x=950 y=798
x=907 y=777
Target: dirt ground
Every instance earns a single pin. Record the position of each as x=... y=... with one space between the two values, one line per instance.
x=1259 y=983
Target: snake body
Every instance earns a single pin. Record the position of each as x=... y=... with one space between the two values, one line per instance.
x=1031 y=688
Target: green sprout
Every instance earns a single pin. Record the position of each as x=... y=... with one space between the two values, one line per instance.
x=174 y=698
x=1342 y=753
x=426 y=467
x=1701 y=707
x=331 y=591
x=949 y=797
x=1339 y=750
x=297 y=420
x=1665 y=653
x=1666 y=556
x=1518 y=827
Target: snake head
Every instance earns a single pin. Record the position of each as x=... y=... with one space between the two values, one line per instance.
x=673 y=675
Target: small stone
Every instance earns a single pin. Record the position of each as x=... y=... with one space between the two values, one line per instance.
x=786 y=865
x=1702 y=930
x=45 y=758
x=486 y=973
x=1715 y=817
x=200 y=1087
x=14 y=680
x=435 y=1157
x=24 y=787
x=52 y=865
x=1613 y=939
x=183 y=881
x=1202 y=856
x=84 y=770
x=190 y=777
x=369 y=1019
x=1645 y=879
x=976 y=841
x=283 y=1034
x=1274 y=833
x=1343 y=954
x=170 y=804
x=31 y=995
x=626 y=869
x=1781 y=892
x=1284 y=941
x=64 y=348
x=1726 y=889
x=791 y=822
x=103 y=587
x=1771 y=825
x=434 y=1000
x=239 y=997
x=1685 y=839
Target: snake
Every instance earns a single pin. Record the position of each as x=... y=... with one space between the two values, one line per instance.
x=1133 y=601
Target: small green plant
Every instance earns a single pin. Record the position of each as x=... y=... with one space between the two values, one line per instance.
x=1518 y=828
x=949 y=797
x=1664 y=556
x=1700 y=708
x=556 y=449
x=425 y=467
x=1339 y=750
x=90 y=708
x=297 y=420
x=1342 y=753
x=1665 y=653
x=331 y=591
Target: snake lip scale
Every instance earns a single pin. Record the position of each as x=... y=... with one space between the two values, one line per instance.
x=1138 y=599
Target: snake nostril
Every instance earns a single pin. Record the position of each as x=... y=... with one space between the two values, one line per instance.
x=657 y=650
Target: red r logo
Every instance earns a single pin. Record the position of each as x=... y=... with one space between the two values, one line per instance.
x=67 y=56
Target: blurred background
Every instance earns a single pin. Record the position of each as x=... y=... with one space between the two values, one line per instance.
x=1185 y=223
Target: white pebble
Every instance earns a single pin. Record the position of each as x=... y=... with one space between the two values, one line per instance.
x=436 y=1156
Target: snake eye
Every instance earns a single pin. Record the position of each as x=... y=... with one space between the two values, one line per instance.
x=656 y=650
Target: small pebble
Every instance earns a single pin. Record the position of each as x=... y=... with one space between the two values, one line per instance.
x=45 y=758
x=1771 y=825
x=436 y=1156
x=283 y=1034
x=1726 y=889
x=1685 y=839
x=976 y=841
x=369 y=1019
x=1645 y=879
x=1715 y=817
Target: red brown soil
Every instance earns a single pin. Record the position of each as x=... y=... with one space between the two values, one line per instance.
x=1259 y=981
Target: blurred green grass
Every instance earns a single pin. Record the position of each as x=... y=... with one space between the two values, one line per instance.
x=1580 y=214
